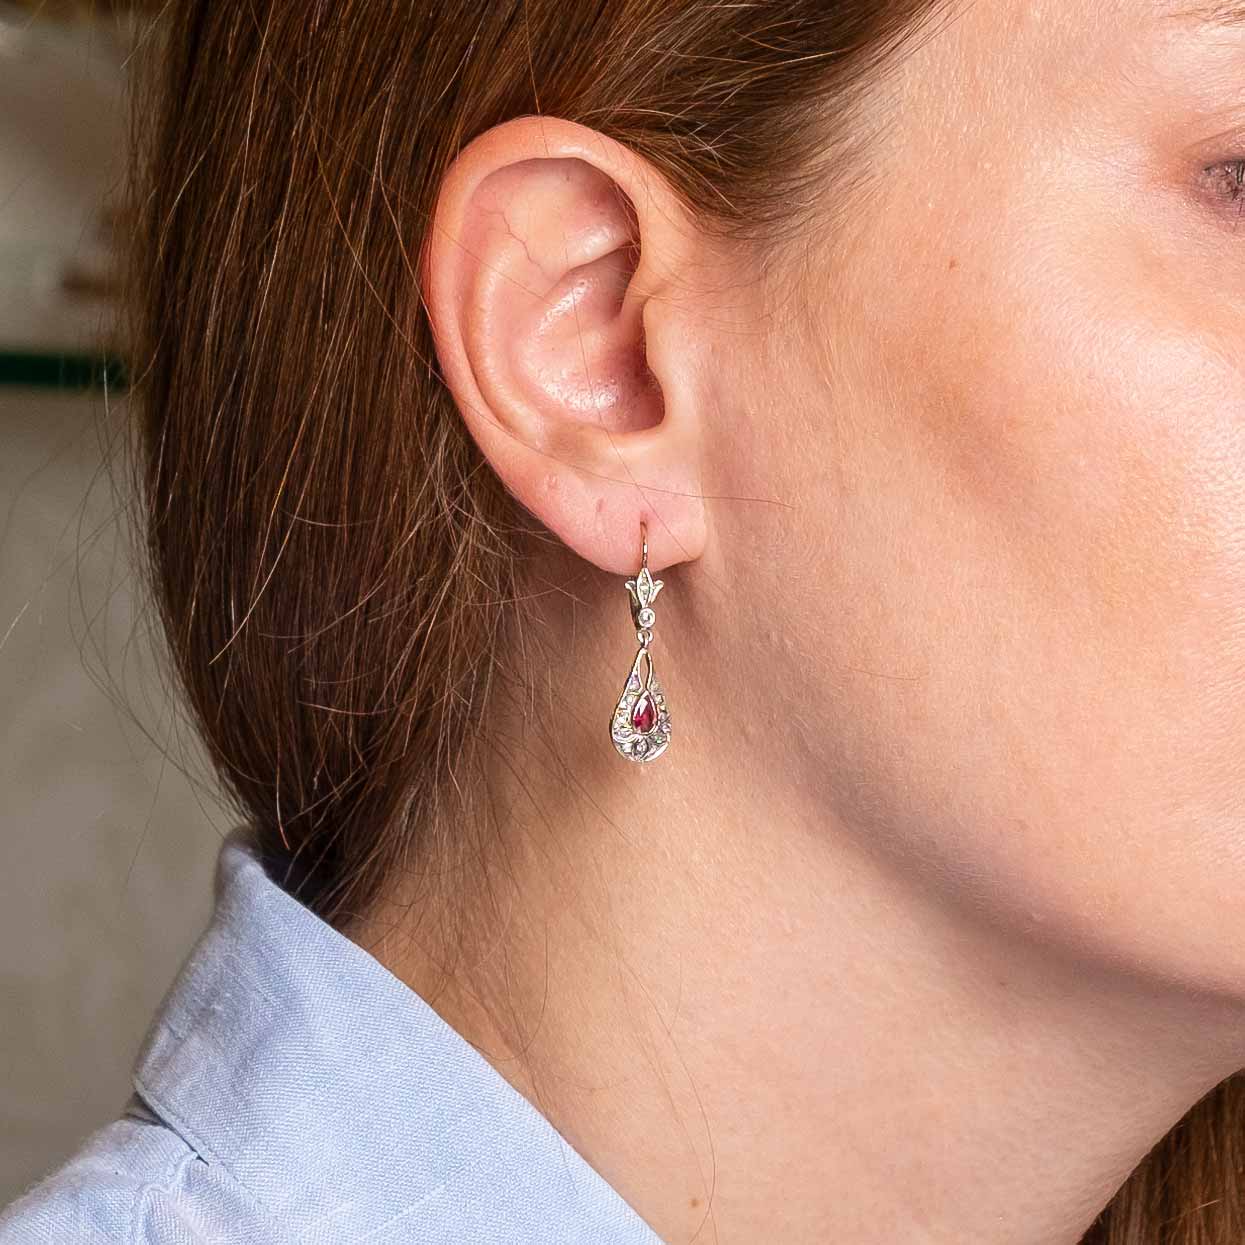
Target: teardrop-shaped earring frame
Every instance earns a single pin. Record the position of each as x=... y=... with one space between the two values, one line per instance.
x=640 y=724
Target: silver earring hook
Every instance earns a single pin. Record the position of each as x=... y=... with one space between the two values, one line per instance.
x=643 y=545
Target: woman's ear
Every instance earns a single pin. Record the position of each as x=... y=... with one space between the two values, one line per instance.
x=550 y=277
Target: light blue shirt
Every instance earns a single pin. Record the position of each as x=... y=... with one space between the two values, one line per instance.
x=292 y=1090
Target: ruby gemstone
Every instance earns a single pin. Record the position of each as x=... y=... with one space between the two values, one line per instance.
x=644 y=713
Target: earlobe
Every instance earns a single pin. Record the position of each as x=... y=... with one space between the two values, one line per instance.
x=548 y=277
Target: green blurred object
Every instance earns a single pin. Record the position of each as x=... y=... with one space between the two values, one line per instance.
x=61 y=371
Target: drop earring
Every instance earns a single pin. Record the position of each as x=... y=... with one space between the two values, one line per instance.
x=640 y=727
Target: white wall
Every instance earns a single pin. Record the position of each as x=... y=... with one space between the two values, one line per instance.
x=107 y=852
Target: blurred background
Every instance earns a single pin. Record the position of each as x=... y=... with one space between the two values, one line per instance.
x=107 y=847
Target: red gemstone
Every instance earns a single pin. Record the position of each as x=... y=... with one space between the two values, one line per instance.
x=644 y=713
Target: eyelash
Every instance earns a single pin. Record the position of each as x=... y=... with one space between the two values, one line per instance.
x=1231 y=173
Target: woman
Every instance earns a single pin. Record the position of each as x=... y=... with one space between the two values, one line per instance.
x=902 y=342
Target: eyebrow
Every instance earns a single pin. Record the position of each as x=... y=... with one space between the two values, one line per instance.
x=1212 y=13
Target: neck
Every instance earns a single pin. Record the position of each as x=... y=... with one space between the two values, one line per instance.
x=757 y=1028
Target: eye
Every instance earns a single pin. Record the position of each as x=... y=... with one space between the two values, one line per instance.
x=1226 y=179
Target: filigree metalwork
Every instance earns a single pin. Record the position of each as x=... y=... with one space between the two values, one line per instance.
x=640 y=725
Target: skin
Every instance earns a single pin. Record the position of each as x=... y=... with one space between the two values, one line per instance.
x=928 y=924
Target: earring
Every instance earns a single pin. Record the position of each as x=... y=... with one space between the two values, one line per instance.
x=640 y=727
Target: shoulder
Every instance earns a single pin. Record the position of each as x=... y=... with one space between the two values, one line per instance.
x=137 y=1182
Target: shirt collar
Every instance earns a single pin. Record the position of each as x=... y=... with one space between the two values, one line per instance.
x=342 y=1103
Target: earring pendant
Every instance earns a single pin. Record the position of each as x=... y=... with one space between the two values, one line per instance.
x=640 y=725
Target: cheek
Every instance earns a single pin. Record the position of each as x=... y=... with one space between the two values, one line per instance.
x=1093 y=440
x=1063 y=452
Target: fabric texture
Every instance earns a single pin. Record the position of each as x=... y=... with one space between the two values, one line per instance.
x=291 y=1089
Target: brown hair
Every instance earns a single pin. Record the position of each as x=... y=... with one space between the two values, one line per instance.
x=336 y=567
